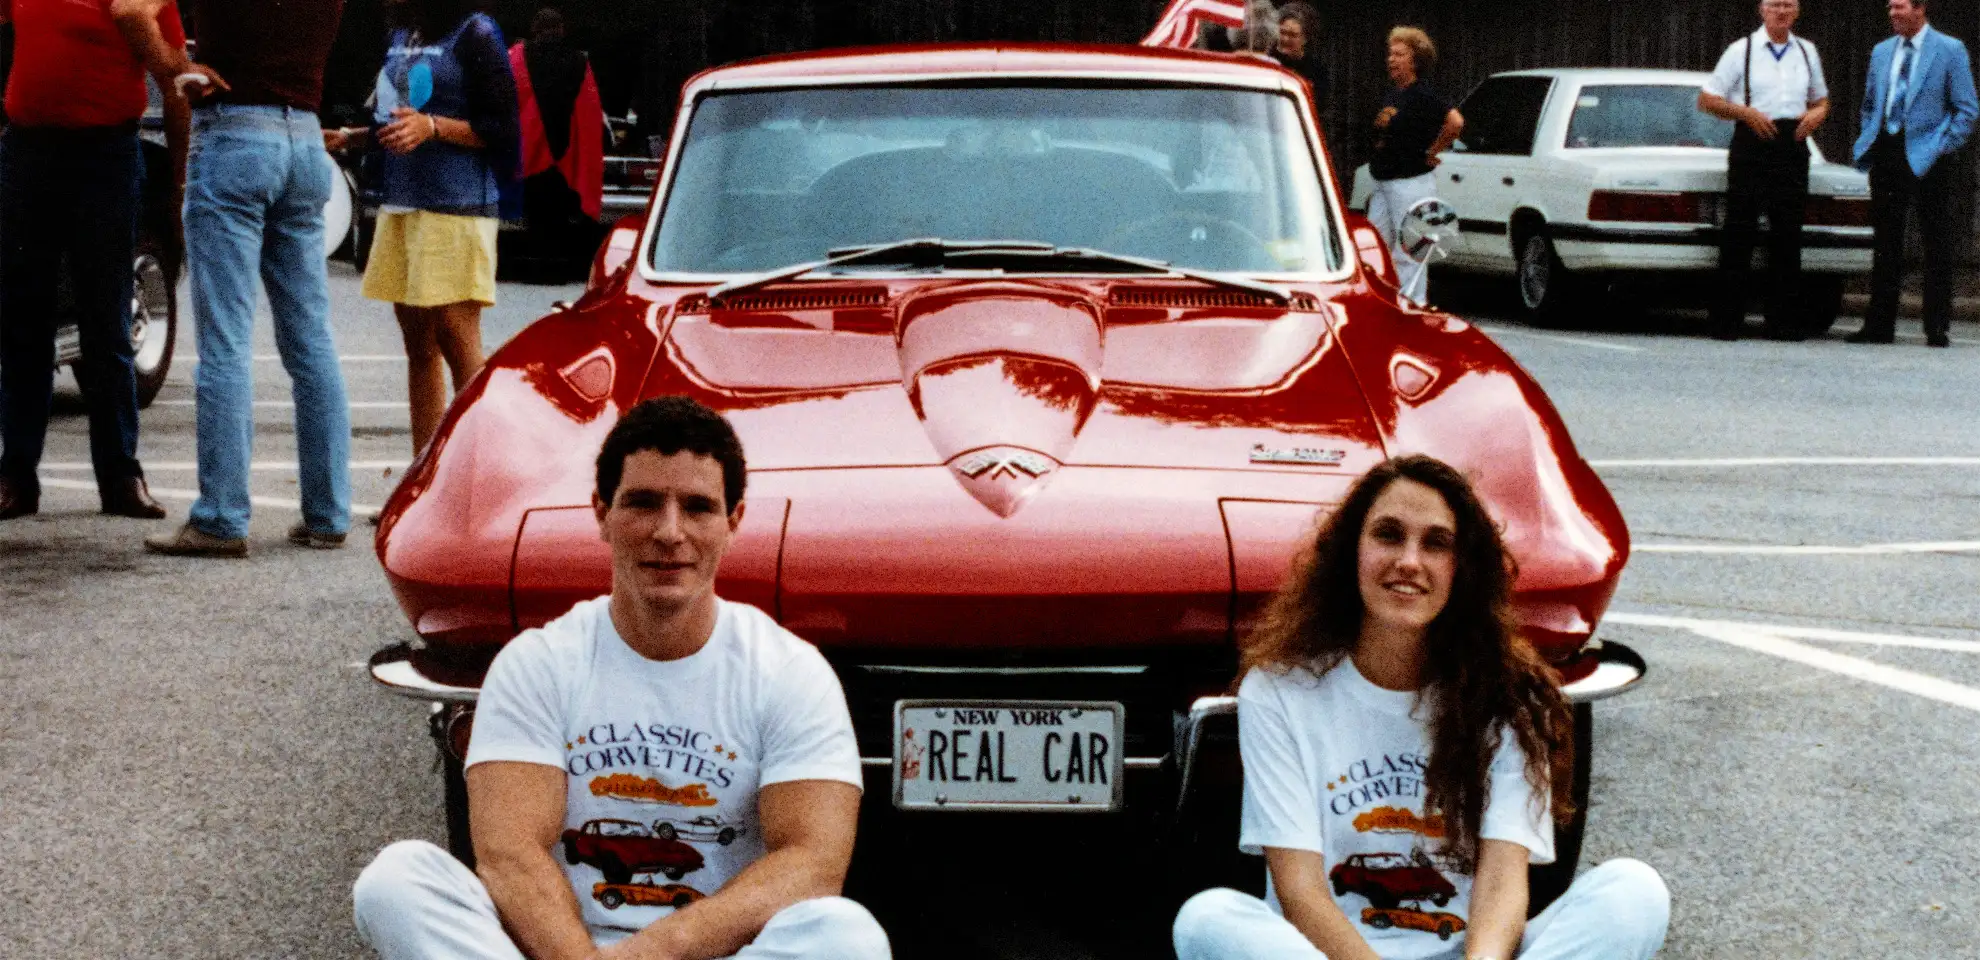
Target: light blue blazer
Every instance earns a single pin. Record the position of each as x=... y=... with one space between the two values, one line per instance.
x=1941 y=113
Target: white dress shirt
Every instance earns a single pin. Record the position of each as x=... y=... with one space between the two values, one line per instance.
x=1783 y=86
x=1897 y=60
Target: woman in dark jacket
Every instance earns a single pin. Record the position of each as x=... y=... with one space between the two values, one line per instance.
x=445 y=113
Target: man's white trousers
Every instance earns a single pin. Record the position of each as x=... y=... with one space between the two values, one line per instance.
x=416 y=902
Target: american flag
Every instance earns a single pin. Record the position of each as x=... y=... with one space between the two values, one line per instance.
x=1177 y=28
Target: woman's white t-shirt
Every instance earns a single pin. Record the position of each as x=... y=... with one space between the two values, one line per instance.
x=1334 y=764
x=663 y=758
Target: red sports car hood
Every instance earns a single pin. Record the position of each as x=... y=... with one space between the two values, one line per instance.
x=1007 y=383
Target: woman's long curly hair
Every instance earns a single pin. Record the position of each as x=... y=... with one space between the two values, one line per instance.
x=1481 y=676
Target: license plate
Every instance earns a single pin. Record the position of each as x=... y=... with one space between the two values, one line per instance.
x=1013 y=755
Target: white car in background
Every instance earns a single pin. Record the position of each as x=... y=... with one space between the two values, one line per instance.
x=1568 y=180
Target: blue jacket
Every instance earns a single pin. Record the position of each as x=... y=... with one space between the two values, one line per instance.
x=1942 y=104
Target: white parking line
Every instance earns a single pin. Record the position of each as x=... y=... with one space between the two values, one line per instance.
x=290 y=404
x=284 y=466
x=1495 y=330
x=171 y=493
x=1800 y=550
x=1722 y=462
x=1761 y=638
x=1797 y=632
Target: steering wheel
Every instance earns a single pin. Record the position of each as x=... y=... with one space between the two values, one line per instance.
x=1175 y=231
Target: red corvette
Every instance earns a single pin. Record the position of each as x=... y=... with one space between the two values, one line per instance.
x=1044 y=359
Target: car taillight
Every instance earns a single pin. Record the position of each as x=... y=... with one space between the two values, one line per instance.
x=1646 y=207
x=1838 y=212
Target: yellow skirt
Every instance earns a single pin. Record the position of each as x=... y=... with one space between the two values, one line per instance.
x=425 y=259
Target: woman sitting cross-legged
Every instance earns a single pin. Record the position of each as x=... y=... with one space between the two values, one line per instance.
x=1406 y=755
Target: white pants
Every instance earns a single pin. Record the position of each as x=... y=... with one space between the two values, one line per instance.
x=1392 y=199
x=1617 y=911
x=416 y=901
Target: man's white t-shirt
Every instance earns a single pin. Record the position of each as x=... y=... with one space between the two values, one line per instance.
x=663 y=758
x=1334 y=764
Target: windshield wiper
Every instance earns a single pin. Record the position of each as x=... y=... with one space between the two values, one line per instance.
x=920 y=252
x=936 y=252
x=1117 y=260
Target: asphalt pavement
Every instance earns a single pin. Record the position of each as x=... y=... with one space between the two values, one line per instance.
x=196 y=765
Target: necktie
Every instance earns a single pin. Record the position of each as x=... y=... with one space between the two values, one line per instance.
x=1894 y=118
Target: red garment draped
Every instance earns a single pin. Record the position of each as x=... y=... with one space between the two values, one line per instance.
x=1177 y=28
x=583 y=163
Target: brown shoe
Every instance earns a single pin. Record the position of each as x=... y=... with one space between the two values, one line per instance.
x=302 y=536
x=190 y=541
x=130 y=497
x=16 y=500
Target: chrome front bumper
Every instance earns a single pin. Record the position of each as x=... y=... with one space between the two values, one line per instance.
x=393 y=669
x=1617 y=668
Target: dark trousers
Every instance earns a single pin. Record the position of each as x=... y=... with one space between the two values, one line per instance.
x=68 y=207
x=1893 y=187
x=1771 y=177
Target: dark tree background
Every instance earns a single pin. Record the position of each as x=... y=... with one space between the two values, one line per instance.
x=644 y=49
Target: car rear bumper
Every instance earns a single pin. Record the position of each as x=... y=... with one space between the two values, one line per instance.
x=1593 y=247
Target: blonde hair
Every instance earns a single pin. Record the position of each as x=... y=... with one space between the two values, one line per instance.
x=1419 y=44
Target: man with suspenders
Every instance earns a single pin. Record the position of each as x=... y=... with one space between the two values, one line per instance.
x=1782 y=101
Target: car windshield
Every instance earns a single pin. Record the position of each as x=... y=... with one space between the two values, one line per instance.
x=1643 y=115
x=1204 y=178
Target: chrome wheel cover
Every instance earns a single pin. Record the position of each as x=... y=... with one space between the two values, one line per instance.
x=151 y=313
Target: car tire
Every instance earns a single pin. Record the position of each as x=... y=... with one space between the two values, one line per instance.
x=674 y=873
x=615 y=871
x=1381 y=921
x=682 y=900
x=726 y=837
x=611 y=899
x=1549 y=294
x=154 y=318
x=1822 y=301
x=1383 y=901
x=665 y=831
x=1546 y=883
x=1441 y=899
x=1445 y=930
x=460 y=841
x=570 y=851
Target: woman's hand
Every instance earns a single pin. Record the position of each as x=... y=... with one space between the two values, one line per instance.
x=409 y=128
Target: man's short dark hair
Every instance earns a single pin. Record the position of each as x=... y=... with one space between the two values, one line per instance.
x=667 y=426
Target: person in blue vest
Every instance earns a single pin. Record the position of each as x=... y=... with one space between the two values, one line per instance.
x=445 y=112
x=1770 y=85
x=1918 y=109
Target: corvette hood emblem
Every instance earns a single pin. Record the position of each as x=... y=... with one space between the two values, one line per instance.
x=1003 y=477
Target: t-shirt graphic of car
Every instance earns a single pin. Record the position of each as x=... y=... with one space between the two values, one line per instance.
x=612 y=896
x=1444 y=925
x=700 y=828
x=621 y=848
x=1388 y=879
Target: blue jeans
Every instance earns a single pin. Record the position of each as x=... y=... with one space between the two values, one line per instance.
x=68 y=201
x=255 y=189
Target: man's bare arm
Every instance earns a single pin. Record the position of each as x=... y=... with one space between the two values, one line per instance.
x=1818 y=113
x=1300 y=878
x=517 y=813
x=1718 y=106
x=137 y=20
x=808 y=828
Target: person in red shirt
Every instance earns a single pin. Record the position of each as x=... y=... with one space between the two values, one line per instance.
x=70 y=170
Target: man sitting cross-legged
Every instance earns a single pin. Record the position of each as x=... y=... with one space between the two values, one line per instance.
x=658 y=773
